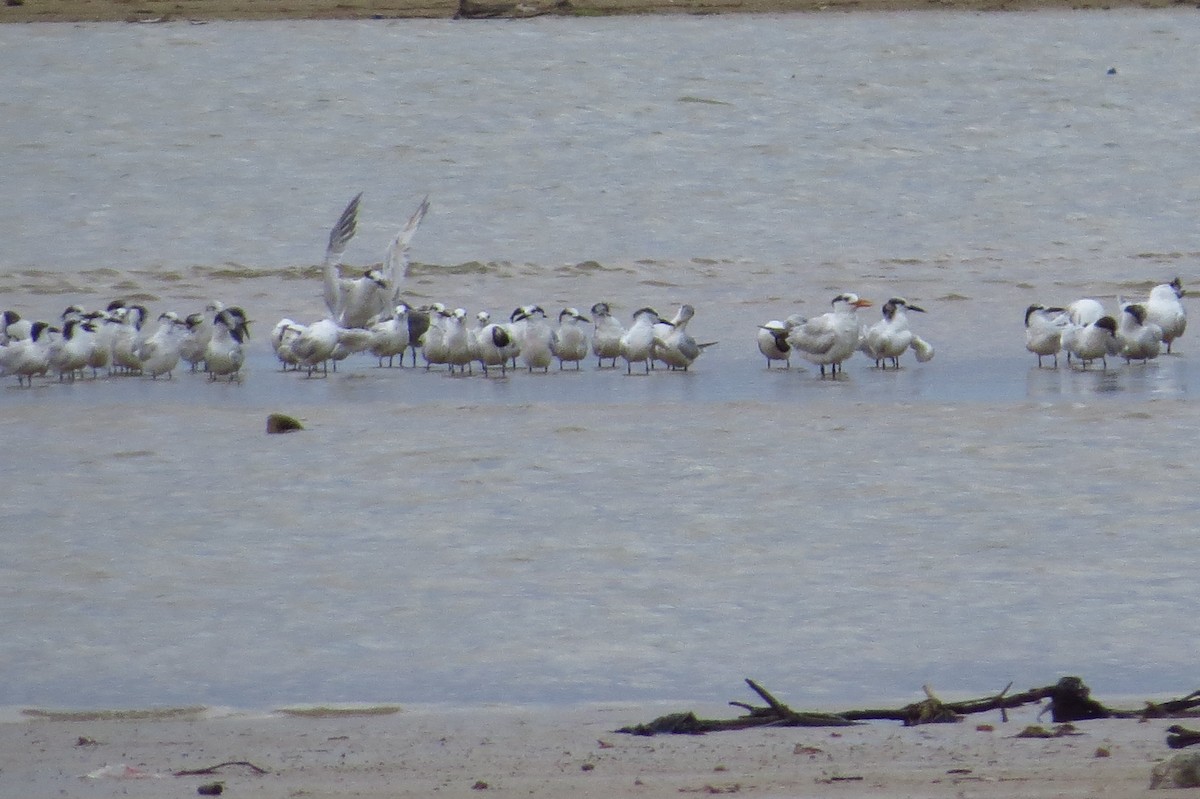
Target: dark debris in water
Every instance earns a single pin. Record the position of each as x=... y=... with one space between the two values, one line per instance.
x=282 y=423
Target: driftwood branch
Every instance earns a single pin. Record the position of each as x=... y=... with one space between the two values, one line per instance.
x=1069 y=700
x=1173 y=708
x=196 y=772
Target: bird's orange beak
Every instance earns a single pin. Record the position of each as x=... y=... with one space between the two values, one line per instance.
x=863 y=304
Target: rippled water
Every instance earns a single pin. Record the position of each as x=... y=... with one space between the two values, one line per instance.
x=574 y=537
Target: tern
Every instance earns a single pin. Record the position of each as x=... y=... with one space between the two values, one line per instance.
x=832 y=337
x=1081 y=314
x=127 y=337
x=354 y=302
x=494 y=346
x=606 y=335
x=1092 y=341
x=390 y=337
x=1139 y=338
x=533 y=336
x=283 y=337
x=433 y=341
x=458 y=341
x=675 y=346
x=1165 y=309
x=419 y=320
x=888 y=338
x=199 y=332
x=637 y=343
x=1043 y=331
x=324 y=341
x=98 y=349
x=26 y=357
x=569 y=341
x=159 y=354
x=224 y=354
x=69 y=352
x=772 y=340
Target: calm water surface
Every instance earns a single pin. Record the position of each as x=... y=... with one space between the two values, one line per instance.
x=577 y=537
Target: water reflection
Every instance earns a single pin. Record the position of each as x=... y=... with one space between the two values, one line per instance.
x=1166 y=377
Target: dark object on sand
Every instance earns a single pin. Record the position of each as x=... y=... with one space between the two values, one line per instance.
x=1070 y=700
x=245 y=764
x=1038 y=731
x=511 y=9
x=281 y=423
x=211 y=789
x=1181 y=736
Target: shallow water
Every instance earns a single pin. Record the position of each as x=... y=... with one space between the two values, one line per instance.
x=577 y=537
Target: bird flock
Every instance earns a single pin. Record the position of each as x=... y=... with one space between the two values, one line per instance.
x=366 y=315
x=1086 y=333
x=116 y=341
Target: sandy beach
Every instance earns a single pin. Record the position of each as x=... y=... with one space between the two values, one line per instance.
x=394 y=751
x=165 y=10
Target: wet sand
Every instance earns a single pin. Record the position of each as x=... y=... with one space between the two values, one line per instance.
x=400 y=752
x=164 y=10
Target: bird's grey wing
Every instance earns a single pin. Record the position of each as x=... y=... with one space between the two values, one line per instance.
x=339 y=236
x=395 y=263
x=813 y=336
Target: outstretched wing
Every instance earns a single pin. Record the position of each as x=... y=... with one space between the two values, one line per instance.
x=395 y=263
x=339 y=236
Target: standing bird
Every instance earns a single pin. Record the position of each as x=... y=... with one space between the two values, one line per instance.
x=493 y=346
x=355 y=302
x=390 y=336
x=569 y=341
x=26 y=357
x=127 y=337
x=1092 y=341
x=97 y=348
x=1043 y=331
x=458 y=341
x=224 y=354
x=888 y=338
x=1139 y=338
x=637 y=343
x=159 y=354
x=69 y=352
x=199 y=331
x=283 y=337
x=831 y=338
x=675 y=346
x=1081 y=314
x=433 y=341
x=1165 y=309
x=606 y=335
x=418 y=323
x=324 y=341
x=772 y=340
x=533 y=337
x=311 y=346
